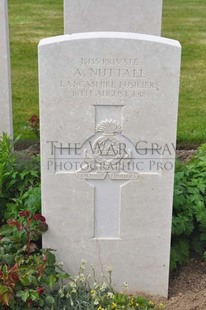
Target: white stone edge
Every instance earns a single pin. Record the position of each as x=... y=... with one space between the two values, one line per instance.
x=109 y=35
x=5 y=21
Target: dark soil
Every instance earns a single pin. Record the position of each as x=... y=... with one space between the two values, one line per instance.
x=188 y=287
x=185 y=155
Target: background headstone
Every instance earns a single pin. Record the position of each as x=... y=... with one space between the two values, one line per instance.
x=5 y=78
x=142 y=16
x=112 y=207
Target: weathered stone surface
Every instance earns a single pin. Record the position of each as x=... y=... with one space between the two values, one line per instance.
x=5 y=78
x=143 y=16
x=108 y=104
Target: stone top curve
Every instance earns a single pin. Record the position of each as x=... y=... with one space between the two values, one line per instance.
x=109 y=35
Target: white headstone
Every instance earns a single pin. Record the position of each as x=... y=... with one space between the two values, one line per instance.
x=108 y=104
x=5 y=77
x=142 y=16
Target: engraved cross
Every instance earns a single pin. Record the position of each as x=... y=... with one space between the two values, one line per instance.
x=108 y=165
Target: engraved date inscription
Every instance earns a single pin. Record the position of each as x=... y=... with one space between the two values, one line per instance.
x=110 y=77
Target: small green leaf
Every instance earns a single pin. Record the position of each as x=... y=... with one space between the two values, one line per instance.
x=24 y=295
x=25 y=280
x=34 y=295
x=52 y=280
x=50 y=300
x=51 y=258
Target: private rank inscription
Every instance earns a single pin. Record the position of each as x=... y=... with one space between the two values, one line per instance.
x=118 y=77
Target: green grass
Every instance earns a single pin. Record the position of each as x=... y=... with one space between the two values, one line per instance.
x=30 y=21
x=184 y=20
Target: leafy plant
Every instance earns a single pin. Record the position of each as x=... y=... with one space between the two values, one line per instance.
x=30 y=200
x=27 y=274
x=18 y=179
x=7 y=163
x=83 y=293
x=33 y=124
x=189 y=215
